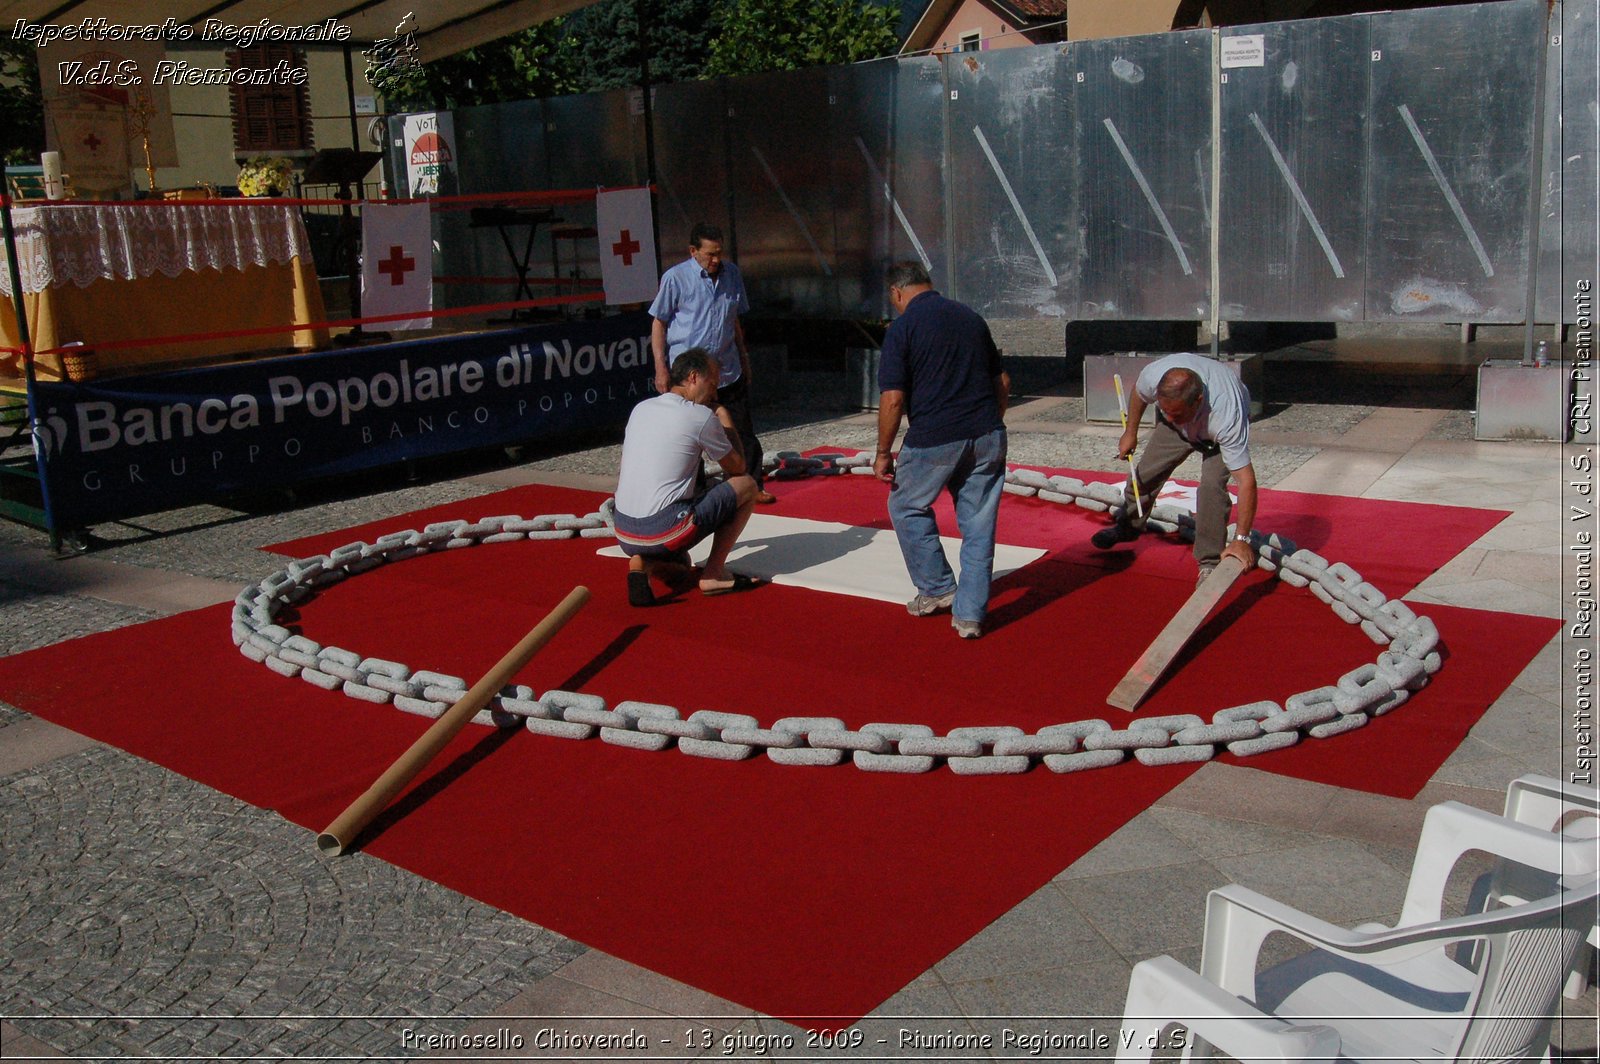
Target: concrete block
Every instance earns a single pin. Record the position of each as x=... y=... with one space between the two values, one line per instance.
x=1346 y=722
x=1082 y=761
x=1252 y=711
x=363 y=693
x=422 y=707
x=1175 y=755
x=990 y=765
x=559 y=729
x=1265 y=743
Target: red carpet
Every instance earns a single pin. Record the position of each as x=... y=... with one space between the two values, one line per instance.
x=796 y=891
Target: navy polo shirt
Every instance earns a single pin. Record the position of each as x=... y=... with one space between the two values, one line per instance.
x=939 y=352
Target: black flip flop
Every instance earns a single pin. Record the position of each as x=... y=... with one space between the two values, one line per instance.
x=741 y=582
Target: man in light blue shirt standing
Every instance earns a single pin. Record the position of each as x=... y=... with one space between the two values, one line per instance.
x=698 y=305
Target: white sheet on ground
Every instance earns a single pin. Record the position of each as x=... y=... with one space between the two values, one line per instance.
x=844 y=559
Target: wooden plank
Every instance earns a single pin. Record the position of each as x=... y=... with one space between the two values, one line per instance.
x=1148 y=669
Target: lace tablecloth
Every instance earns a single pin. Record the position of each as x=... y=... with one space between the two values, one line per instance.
x=79 y=245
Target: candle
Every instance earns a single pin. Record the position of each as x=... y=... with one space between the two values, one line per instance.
x=51 y=163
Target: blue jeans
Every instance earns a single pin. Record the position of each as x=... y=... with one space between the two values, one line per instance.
x=974 y=472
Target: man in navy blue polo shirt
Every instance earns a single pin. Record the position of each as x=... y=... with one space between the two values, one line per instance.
x=940 y=367
x=698 y=305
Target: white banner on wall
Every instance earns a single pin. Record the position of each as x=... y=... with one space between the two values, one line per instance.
x=627 y=245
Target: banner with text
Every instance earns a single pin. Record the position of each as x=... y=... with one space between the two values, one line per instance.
x=133 y=445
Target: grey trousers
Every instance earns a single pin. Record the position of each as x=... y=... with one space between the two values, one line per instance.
x=1165 y=451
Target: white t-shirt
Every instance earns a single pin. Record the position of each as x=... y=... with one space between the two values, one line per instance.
x=661 y=452
x=1224 y=416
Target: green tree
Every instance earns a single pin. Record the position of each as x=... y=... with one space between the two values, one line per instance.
x=601 y=42
x=757 y=35
x=524 y=65
x=21 y=104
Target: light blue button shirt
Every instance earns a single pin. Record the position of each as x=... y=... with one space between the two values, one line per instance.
x=702 y=311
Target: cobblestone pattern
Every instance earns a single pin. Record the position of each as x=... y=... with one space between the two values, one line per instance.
x=1273 y=462
x=30 y=619
x=1308 y=418
x=1030 y=337
x=1069 y=412
x=220 y=543
x=214 y=928
x=1311 y=418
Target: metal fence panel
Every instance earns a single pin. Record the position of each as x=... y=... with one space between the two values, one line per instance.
x=691 y=163
x=1013 y=193
x=589 y=141
x=1293 y=158
x=1568 y=237
x=918 y=171
x=1143 y=149
x=1452 y=136
x=589 y=144
x=778 y=160
x=500 y=148
x=861 y=106
x=1373 y=167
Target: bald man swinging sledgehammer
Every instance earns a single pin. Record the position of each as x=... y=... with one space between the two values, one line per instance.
x=1201 y=406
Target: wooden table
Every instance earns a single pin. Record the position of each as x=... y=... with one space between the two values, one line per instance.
x=105 y=272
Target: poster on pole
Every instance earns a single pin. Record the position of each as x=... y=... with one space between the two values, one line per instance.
x=430 y=146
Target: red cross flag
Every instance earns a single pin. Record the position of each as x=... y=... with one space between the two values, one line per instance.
x=627 y=246
x=396 y=263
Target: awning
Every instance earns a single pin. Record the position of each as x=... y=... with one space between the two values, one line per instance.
x=443 y=27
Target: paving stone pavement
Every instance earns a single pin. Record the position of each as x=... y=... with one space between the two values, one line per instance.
x=30 y=619
x=129 y=891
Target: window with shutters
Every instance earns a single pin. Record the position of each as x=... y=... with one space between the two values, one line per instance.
x=272 y=118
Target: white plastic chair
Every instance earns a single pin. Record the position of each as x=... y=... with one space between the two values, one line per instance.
x=1375 y=992
x=1553 y=805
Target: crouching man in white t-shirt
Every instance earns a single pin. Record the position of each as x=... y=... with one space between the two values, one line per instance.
x=659 y=513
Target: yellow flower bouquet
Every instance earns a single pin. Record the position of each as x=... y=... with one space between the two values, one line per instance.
x=263 y=176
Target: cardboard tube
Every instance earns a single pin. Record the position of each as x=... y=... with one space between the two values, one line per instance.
x=337 y=836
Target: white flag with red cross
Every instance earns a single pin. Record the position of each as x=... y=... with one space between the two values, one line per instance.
x=627 y=245
x=396 y=263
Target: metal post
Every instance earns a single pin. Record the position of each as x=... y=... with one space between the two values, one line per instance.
x=950 y=287
x=1536 y=194
x=350 y=98
x=1216 y=187
x=25 y=341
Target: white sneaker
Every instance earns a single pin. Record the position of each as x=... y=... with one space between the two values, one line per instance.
x=967 y=629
